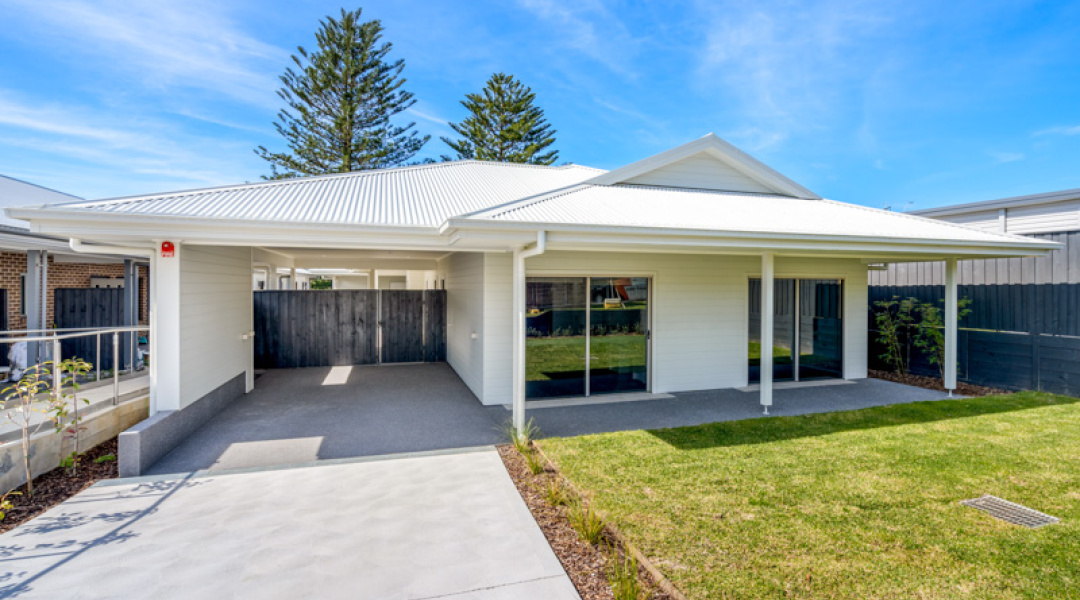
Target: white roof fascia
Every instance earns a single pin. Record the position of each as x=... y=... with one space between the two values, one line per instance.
x=1025 y=246
x=986 y=205
x=719 y=149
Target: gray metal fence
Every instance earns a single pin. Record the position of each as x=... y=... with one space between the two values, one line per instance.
x=1016 y=336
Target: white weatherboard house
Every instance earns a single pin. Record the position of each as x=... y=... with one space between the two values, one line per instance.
x=698 y=268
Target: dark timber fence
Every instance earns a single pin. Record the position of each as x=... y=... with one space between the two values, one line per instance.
x=90 y=307
x=320 y=328
x=1017 y=336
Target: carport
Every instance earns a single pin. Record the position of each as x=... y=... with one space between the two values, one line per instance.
x=298 y=416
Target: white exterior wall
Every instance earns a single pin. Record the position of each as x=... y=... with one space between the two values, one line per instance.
x=699 y=312
x=463 y=276
x=215 y=313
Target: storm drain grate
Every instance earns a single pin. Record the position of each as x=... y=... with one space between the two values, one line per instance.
x=1010 y=512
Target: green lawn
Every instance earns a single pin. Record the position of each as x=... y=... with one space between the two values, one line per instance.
x=859 y=504
x=544 y=356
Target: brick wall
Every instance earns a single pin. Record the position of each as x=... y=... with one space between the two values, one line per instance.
x=61 y=275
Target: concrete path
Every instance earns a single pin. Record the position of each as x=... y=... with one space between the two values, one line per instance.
x=448 y=526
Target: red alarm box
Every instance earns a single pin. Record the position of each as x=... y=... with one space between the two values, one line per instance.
x=167 y=250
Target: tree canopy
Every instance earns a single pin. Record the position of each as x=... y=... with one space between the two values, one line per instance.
x=503 y=125
x=340 y=100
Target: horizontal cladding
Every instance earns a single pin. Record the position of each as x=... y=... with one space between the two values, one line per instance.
x=700 y=172
x=462 y=275
x=699 y=313
x=215 y=311
x=1060 y=216
x=1060 y=266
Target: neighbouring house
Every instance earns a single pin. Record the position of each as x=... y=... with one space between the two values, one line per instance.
x=698 y=268
x=1024 y=328
x=39 y=273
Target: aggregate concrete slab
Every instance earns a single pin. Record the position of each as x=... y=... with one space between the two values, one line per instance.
x=418 y=527
x=300 y=415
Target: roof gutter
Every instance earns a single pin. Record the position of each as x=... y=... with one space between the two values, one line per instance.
x=79 y=247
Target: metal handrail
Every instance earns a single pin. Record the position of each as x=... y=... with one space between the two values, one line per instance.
x=82 y=332
x=56 y=338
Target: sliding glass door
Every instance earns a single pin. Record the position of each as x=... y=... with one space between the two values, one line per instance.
x=586 y=335
x=807 y=315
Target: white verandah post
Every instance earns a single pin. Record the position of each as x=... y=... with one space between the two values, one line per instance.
x=767 y=306
x=519 y=341
x=952 y=316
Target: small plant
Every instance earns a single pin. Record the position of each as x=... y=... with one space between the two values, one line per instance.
x=894 y=319
x=623 y=576
x=5 y=503
x=67 y=418
x=930 y=335
x=522 y=440
x=22 y=394
x=105 y=458
x=555 y=493
x=588 y=525
x=534 y=461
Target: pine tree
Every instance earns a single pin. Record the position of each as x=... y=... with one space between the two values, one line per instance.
x=340 y=100
x=503 y=126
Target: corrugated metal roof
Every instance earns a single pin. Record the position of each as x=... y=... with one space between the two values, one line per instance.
x=423 y=196
x=676 y=208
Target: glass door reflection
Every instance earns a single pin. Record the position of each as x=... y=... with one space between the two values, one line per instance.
x=618 y=340
x=555 y=337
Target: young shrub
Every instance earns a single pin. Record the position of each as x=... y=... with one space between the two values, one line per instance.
x=67 y=419
x=894 y=319
x=555 y=493
x=930 y=334
x=5 y=504
x=534 y=461
x=20 y=408
x=588 y=525
x=623 y=577
x=522 y=440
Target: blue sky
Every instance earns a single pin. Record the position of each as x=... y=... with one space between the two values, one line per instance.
x=906 y=104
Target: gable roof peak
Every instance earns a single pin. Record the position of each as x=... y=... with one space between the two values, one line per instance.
x=727 y=158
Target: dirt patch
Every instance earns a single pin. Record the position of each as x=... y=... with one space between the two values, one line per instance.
x=587 y=565
x=57 y=485
x=935 y=383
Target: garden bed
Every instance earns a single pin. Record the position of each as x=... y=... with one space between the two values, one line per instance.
x=935 y=383
x=586 y=564
x=58 y=485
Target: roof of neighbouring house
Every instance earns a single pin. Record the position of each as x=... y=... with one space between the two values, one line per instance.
x=1010 y=202
x=15 y=192
x=703 y=188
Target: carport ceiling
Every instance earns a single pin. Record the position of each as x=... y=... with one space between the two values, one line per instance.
x=344 y=258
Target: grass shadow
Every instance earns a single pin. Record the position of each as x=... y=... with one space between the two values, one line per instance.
x=774 y=429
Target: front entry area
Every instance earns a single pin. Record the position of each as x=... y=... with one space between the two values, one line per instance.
x=586 y=336
x=808 y=316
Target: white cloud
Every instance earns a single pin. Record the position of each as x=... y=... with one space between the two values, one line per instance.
x=115 y=154
x=1006 y=157
x=590 y=28
x=1073 y=130
x=163 y=44
x=785 y=68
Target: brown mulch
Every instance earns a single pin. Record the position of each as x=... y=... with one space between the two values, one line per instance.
x=57 y=485
x=935 y=383
x=584 y=563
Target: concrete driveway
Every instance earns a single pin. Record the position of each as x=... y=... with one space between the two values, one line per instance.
x=296 y=416
x=449 y=526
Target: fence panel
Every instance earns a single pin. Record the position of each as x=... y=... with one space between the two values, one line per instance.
x=91 y=307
